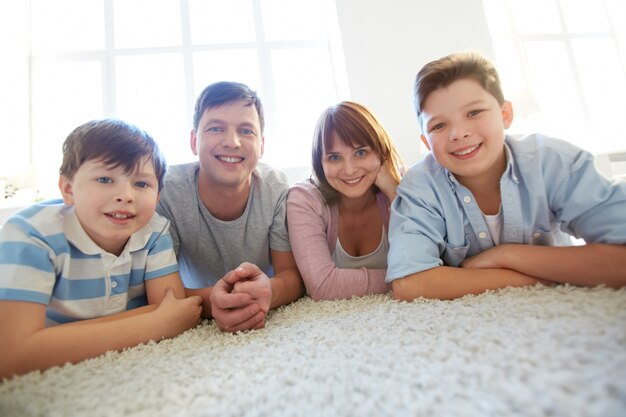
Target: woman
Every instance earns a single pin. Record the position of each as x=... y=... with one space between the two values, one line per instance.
x=338 y=220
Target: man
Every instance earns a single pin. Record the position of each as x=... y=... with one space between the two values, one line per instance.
x=228 y=213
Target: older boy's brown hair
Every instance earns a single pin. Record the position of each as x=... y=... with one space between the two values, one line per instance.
x=444 y=71
x=115 y=143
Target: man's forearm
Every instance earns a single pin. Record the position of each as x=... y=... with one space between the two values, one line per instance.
x=287 y=287
x=205 y=293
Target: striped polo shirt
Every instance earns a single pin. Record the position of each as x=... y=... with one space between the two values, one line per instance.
x=47 y=257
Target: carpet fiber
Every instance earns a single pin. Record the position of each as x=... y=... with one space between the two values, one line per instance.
x=515 y=352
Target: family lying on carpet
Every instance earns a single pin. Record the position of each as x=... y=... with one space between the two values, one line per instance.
x=99 y=270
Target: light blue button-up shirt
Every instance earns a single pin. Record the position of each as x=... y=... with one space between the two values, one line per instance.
x=550 y=190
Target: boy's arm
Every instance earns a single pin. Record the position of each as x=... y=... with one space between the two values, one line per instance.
x=27 y=345
x=587 y=265
x=447 y=283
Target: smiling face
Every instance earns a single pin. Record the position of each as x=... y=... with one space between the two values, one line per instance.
x=112 y=204
x=229 y=144
x=350 y=170
x=464 y=126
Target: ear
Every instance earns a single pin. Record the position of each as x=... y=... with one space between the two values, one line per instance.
x=65 y=185
x=262 y=145
x=425 y=142
x=192 y=142
x=507 y=114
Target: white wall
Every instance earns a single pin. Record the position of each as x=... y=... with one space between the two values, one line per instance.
x=386 y=42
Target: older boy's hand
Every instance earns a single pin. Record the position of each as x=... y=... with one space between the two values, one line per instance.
x=232 y=311
x=255 y=283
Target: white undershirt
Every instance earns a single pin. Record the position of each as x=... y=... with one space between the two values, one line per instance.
x=494 y=224
x=374 y=260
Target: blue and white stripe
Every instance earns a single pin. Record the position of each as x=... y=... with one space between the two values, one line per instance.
x=46 y=257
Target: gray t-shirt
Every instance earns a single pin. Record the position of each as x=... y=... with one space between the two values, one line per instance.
x=207 y=248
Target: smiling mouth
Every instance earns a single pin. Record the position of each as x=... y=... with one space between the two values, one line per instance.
x=467 y=151
x=230 y=159
x=120 y=216
x=353 y=181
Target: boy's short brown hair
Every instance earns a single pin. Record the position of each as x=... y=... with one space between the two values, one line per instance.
x=444 y=71
x=114 y=142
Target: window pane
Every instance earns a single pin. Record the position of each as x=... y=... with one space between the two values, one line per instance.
x=67 y=25
x=617 y=13
x=535 y=16
x=151 y=94
x=556 y=91
x=241 y=65
x=584 y=16
x=218 y=21
x=65 y=95
x=288 y=20
x=140 y=23
x=602 y=77
x=304 y=87
x=14 y=83
x=497 y=17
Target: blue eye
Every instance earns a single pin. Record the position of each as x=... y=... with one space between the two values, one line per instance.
x=104 y=180
x=247 y=132
x=474 y=113
x=334 y=158
x=142 y=184
x=214 y=129
x=361 y=153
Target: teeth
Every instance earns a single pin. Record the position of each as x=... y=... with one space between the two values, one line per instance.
x=465 y=152
x=119 y=215
x=230 y=159
x=353 y=181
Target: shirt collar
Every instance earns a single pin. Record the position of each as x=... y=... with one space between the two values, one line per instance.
x=76 y=235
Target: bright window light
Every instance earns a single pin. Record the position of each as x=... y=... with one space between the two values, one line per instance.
x=146 y=61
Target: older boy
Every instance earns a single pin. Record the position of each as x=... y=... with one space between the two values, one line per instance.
x=228 y=213
x=75 y=275
x=484 y=211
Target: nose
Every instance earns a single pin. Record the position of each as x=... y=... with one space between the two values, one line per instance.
x=231 y=139
x=349 y=167
x=125 y=193
x=459 y=131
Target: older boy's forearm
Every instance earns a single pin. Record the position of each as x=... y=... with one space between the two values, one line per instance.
x=587 y=265
x=447 y=283
x=287 y=286
x=205 y=293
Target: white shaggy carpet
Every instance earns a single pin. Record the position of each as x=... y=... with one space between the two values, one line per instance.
x=515 y=352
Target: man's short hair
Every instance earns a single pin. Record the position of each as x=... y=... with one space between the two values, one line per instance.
x=222 y=92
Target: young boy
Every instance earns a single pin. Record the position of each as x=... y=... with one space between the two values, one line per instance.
x=75 y=275
x=484 y=211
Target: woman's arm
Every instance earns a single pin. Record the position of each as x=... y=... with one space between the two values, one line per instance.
x=309 y=243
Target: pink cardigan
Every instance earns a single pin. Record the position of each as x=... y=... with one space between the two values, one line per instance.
x=313 y=228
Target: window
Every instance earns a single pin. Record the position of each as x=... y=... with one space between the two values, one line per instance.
x=563 y=65
x=146 y=62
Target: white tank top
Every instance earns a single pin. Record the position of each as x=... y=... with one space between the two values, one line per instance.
x=374 y=260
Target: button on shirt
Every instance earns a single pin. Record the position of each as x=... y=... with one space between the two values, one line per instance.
x=550 y=189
